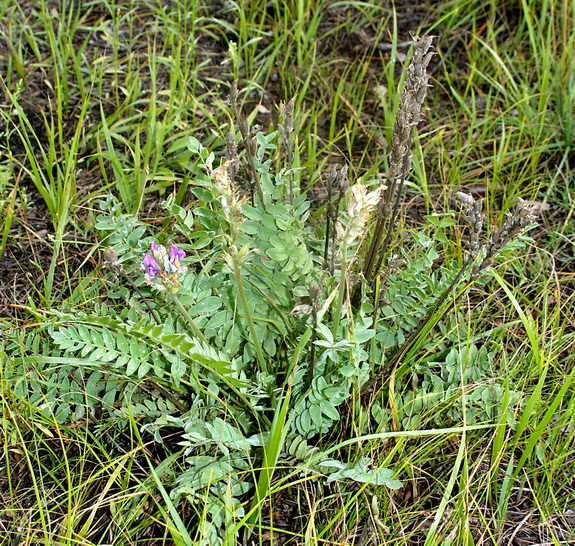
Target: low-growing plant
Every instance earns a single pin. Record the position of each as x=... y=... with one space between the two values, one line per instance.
x=247 y=323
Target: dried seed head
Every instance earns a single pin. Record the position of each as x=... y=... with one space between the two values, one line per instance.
x=473 y=210
x=526 y=212
x=408 y=116
x=232 y=159
x=515 y=222
x=410 y=109
x=342 y=179
x=112 y=261
x=465 y=199
x=234 y=92
x=302 y=309
x=286 y=112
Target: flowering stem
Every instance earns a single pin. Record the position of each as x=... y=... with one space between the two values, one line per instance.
x=259 y=353
x=195 y=329
x=341 y=291
x=142 y=297
x=391 y=225
x=248 y=141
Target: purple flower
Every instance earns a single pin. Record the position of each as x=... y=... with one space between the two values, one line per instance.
x=151 y=266
x=176 y=254
x=163 y=267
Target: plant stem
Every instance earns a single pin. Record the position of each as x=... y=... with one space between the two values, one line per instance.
x=391 y=225
x=248 y=142
x=328 y=218
x=341 y=291
x=197 y=332
x=259 y=353
x=376 y=306
x=142 y=297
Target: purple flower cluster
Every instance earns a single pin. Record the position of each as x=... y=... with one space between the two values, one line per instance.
x=164 y=266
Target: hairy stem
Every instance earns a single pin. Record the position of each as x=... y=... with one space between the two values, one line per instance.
x=195 y=329
x=248 y=141
x=259 y=353
x=341 y=292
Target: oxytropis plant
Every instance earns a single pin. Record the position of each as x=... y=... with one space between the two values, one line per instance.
x=258 y=326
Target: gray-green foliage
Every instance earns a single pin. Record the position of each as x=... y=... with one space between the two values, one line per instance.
x=133 y=355
x=341 y=366
x=461 y=387
x=139 y=358
x=208 y=480
x=411 y=292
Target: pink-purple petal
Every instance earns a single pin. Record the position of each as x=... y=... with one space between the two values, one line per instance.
x=151 y=266
x=176 y=254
